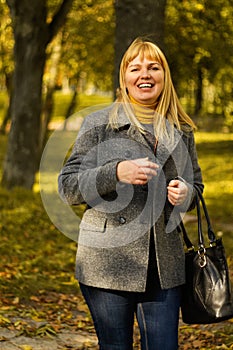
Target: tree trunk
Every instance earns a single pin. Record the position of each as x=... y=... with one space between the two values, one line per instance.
x=29 y=56
x=48 y=106
x=137 y=18
x=71 y=107
x=199 y=92
x=46 y=117
x=31 y=34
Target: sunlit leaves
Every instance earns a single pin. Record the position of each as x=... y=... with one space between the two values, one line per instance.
x=198 y=33
x=202 y=41
x=6 y=42
x=88 y=44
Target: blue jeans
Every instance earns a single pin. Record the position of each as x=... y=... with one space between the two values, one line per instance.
x=157 y=313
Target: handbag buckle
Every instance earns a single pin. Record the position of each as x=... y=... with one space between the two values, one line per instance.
x=201 y=253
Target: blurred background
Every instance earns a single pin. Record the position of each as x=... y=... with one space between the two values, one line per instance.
x=60 y=57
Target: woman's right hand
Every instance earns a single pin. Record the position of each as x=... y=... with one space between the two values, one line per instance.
x=136 y=172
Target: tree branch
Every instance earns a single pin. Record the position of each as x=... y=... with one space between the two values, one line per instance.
x=59 y=18
x=10 y=4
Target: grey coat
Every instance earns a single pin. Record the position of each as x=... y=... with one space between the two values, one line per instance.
x=114 y=235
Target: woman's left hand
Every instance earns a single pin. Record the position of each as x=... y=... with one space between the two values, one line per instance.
x=177 y=192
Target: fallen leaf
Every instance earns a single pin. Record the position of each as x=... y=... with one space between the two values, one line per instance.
x=15 y=301
x=4 y=320
x=197 y=344
x=34 y=298
x=25 y=347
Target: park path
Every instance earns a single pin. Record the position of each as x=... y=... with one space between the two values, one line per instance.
x=70 y=339
x=66 y=340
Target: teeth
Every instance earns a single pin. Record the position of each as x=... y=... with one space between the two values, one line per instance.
x=145 y=85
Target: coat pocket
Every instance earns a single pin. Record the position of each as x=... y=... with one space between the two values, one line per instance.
x=93 y=223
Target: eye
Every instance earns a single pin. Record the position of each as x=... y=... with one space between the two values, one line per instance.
x=134 y=70
x=155 y=68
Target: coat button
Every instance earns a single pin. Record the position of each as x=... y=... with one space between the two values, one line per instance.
x=128 y=154
x=122 y=220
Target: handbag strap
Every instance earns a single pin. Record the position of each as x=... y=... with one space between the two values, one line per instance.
x=201 y=243
x=187 y=241
x=210 y=232
x=212 y=239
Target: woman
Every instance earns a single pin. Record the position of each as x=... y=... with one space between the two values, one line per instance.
x=134 y=165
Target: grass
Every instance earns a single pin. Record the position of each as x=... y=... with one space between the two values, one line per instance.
x=62 y=102
x=83 y=101
x=215 y=158
x=217 y=167
x=35 y=256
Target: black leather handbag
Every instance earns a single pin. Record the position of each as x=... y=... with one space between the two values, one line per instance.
x=207 y=296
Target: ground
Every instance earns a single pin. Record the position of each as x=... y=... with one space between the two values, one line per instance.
x=58 y=321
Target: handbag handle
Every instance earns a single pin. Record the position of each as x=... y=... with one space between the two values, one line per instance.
x=210 y=232
x=187 y=241
x=212 y=239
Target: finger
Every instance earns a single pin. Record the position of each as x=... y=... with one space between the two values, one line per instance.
x=142 y=178
x=140 y=161
x=172 y=201
x=174 y=183
x=140 y=182
x=148 y=171
x=173 y=191
x=144 y=162
x=152 y=165
x=176 y=199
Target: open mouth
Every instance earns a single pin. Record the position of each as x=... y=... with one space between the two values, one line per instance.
x=145 y=85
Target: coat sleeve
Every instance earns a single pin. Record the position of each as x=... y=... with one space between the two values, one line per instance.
x=82 y=179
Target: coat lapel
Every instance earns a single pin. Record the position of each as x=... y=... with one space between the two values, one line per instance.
x=136 y=135
x=133 y=132
x=164 y=148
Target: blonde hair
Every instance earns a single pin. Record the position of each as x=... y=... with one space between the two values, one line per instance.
x=168 y=106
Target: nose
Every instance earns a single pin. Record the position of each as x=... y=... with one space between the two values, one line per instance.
x=146 y=73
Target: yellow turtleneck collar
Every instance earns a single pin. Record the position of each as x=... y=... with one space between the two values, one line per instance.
x=143 y=112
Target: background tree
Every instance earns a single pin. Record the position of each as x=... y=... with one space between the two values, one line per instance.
x=84 y=58
x=88 y=45
x=199 y=41
x=197 y=38
x=54 y=52
x=32 y=33
x=137 y=18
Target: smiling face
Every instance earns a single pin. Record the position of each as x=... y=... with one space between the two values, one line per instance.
x=144 y=80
